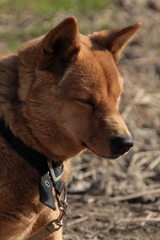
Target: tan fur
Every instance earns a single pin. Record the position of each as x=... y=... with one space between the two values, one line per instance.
x=59 y=95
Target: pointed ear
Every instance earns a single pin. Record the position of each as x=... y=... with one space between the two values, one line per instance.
x=61 y=42
x=115 y=40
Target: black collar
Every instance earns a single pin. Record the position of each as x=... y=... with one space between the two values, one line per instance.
x=40 y=162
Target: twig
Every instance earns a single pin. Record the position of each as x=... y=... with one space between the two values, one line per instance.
x=77 y=221
x=129 y=220
x=119 y=198
x=144 y=61
x=154 y=163
x=135 y=195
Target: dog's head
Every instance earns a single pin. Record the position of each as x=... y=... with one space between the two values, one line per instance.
x=71 y=87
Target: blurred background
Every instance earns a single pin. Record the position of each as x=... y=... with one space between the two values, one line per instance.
x=120 y=199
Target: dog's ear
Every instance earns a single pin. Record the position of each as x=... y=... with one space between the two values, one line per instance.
x=61 y=42
x=115 y=40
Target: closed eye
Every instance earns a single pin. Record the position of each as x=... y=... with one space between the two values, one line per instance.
x=86 y=102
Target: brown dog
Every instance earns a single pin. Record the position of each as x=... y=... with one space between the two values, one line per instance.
x=59 y=95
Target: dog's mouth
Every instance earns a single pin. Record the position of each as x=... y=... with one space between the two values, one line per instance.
x=84 y=145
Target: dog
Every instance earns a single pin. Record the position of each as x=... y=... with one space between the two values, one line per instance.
x=59 y=95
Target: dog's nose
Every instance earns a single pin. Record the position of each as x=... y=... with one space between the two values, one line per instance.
x=120 y=145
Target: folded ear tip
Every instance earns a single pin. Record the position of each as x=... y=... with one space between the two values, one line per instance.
x=138 y=25
x=71 y=20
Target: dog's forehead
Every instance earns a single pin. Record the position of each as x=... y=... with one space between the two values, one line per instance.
x=98 y=65
x=97 y=58
x=94 y=73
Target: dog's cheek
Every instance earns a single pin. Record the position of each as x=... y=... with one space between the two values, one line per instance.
x=75 y=120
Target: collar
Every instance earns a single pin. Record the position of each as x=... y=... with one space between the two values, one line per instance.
x=50 y=171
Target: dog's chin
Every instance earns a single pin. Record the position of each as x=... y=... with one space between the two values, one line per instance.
x=115 y=156
x=109 y=157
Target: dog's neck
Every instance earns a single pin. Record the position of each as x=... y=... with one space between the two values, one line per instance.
x=11 y=105
x=8 y=83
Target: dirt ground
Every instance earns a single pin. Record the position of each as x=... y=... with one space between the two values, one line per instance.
x=120 y=199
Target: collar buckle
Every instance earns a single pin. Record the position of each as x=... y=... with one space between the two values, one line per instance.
x=60 y=171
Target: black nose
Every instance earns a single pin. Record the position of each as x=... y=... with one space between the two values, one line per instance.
x=120 y=145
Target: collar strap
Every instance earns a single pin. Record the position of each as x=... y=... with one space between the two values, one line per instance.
x=50 y=172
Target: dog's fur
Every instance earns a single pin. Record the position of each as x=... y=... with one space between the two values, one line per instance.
x=59 y=95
